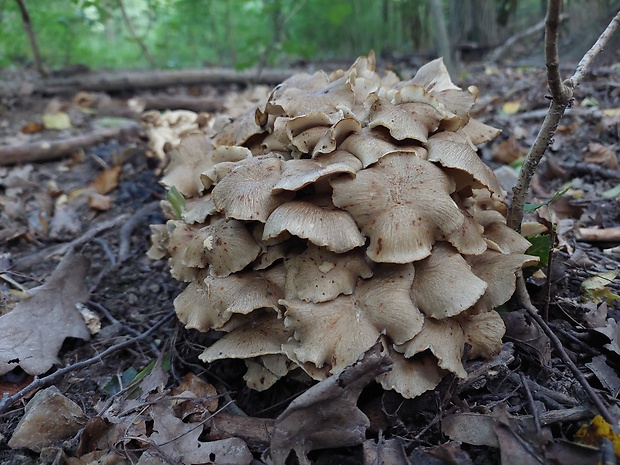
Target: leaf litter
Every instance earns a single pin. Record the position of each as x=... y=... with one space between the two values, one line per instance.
x=159 y=416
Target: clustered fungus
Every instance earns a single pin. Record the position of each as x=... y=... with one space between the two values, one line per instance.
x=345 y=208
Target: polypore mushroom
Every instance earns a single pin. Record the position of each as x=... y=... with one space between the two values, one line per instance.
x=343 y=209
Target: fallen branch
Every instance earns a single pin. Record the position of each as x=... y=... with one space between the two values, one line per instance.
x=500 y=51
x=561 y=98
x=52 y=150
x=38 y=383
x=256 y=432
x=179 y=102
x=598 y=235
x=131 y=80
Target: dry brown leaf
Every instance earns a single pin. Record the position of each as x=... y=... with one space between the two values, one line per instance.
x=326 y=415
x=32 y=128
x=173 y=441
x=107 y=180
x=612 y=331
x=33 y=332
x=601 y=155
x=508 y=151
x=99 y=202
x=527 y=335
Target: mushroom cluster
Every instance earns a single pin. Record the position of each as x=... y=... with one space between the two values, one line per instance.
x=347 y=207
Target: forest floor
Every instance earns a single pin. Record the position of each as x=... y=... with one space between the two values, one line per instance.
x=524 y=406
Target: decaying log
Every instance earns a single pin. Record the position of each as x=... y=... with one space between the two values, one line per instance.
x=130 y=80
x=52 y=150
x=179 y=102
x=598 y=235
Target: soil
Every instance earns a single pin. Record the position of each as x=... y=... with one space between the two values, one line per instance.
x=138 y=291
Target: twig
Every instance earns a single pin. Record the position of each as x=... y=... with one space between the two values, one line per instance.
x=561 y=98
x=38 y=383
x=525 y=302
x=530 y=400
x=129 y=226
x=62 y=249
x=46 y=150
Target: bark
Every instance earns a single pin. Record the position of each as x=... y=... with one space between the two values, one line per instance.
x=128 y=80
x=31 y=36
x=441 y=35
x=52 y=150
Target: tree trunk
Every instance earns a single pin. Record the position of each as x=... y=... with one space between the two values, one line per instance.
x=441 y=36
x=31 y=36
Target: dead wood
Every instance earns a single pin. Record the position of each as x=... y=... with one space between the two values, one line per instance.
x=131 y=80
x=179 y=102
x=598 y=235
x=51 y=150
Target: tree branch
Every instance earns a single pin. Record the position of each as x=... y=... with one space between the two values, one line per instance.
x=561 y=98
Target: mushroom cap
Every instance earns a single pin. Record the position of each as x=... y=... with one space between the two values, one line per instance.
x=189 y=160
x=318 y=275
x=446 y=341
x=210 y=302
x=335 y=135
x=378 y=305
x=297 y=174
x=412 y=376
x=226 y=245
x=402 y=203
x=452 y=150
x=261 y=335
x=317 y=221
x=372 y=144
x=483 y=332
x=444 y=284
x=498 y=271
x=245 y=194
x=198 y=209
x=399 y=120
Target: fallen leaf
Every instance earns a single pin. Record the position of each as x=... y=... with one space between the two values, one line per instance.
x=595 y=288
x=206 y=395
x=605 y=374
x=107 y=180
x=31 y=128
x=612 y=331
x=56 y=121
x=598 y=429
x=601 y=155
x=326 y=415
x=33 y=332
x=510 y=108
x=173 y=441
x=527 y=335
x=508 y=151
x=99 y=202
x=385 y=452
x=49 y=416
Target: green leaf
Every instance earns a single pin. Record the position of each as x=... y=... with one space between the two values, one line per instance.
x=595 y=288
x=541 y=246
x=177 y=201
x=532 y=207
x=613 y=192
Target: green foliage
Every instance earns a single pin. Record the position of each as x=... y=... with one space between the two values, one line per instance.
x=532 y=207
x=240 y=33
x=177 y=201
x=541 y=248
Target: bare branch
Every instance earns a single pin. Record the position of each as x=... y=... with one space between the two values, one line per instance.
x=587 y=59
x=562 y=95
